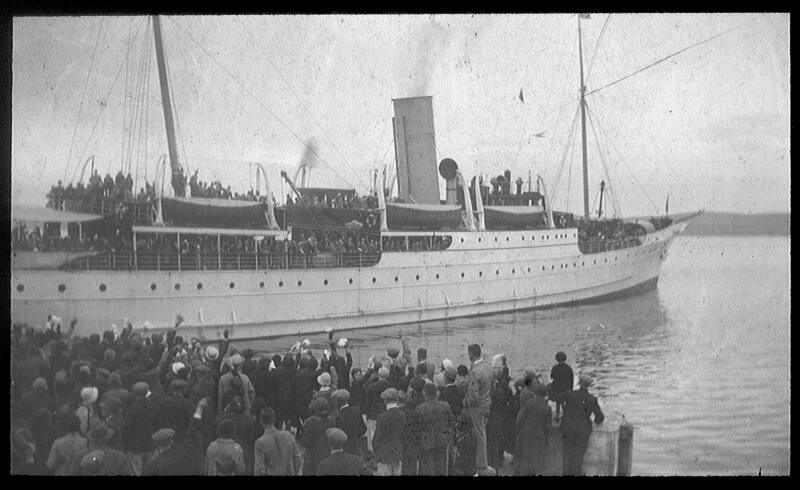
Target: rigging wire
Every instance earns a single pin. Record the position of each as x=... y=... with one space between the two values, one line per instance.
x=83 y=98
x=633 y=174
x=263 y=106
x=673 y=54
x=596 y=46
x=611 y=194
x=308 y=111
x=103 y=107
x=125 y=92
x=570 y=137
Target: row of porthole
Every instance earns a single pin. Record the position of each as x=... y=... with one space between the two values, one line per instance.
x=533 y=237
x=153 y=287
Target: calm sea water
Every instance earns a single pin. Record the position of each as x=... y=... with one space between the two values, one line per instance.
x=700 y=366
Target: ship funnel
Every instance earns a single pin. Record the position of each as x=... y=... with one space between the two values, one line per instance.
x=448 y=169
x=415 y=150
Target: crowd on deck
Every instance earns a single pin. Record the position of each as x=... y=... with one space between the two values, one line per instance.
x=340 y=201
x=133 y=403
x=119 y=188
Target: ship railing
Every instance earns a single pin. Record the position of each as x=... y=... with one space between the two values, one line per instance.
x=598 y=245
x=136 y=211
x=196 y=261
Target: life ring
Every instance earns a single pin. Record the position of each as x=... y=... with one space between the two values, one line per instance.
x=371 y=221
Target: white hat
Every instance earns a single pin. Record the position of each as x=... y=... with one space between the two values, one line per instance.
x=177 y=366
x=305 y=343
x=342 y=342
x=236 y=360
x=89 y=394
x=212 y=352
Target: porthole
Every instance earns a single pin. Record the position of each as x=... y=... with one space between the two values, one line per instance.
x=605 y=260
x=513 y=271
x=231 y=285
x=462 y=240
x=480 y=273
x=529 y=269
x=533 y=237
x=153 y=287
x=582 y=264
x=553 y=267
x=507 y=238
x=417 y=277
x=595 y=262
x=374 y=280
x=177 y=287
x=325 y=282
x=299 y=283
x=61 y=288
x=395 y=278
x=350 y=281
x=574 y=264
x=523 y=239
x=497 y=272
x=280 y=283
x=495 y=238
x=462 y=275
x=102 y=288
x=437 y=276
x=199 y=286
x=542 y=267
x=261 y=284
x=20 y=288
x=479 y=240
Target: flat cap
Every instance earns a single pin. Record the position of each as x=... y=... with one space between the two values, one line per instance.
x=390 y=395
x=324 y=379
x=417 y=384
x=163 y=437
x=340 y=395
x=336 y=437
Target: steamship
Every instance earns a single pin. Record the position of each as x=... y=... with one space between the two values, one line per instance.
x=488 y=247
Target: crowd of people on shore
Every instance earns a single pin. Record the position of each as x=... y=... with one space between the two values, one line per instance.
x=129 y=403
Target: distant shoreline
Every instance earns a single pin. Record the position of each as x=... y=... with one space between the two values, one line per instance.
x=733 y=224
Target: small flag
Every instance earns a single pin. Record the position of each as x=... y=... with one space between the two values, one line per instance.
x=584 y=16
x=521 y=98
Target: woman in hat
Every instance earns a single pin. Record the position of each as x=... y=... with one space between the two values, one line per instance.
x=314 y=439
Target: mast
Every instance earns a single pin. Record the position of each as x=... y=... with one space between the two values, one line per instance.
x=178 y=183
x=583 y=128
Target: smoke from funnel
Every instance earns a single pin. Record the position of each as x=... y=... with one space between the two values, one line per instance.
x=433 y=39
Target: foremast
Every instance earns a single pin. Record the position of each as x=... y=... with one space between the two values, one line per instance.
x=178 y=182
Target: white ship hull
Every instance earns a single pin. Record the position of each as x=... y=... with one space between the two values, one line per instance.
x=481 y=273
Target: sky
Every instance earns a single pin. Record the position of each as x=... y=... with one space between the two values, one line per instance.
x=709 y=127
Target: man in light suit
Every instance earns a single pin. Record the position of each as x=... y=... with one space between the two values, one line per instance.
x=276 y=452
x=478 y=402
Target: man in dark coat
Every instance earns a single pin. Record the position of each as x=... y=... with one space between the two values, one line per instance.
x=141 y=421
x=387 y=439
x=532 y=431
x=374 y=403
x=176 y=409
x=452 y=393
x=286 y=377
x=576 y=426
x=314 y=439
x=357 y=389
x=340 y=462
x=500 y=425
x=410 y=437
x=304 y=387
x=341 y=363
x=437 y=423
x=244 y=428
x=563 y=381
x=169 y=460
x=350 y=421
